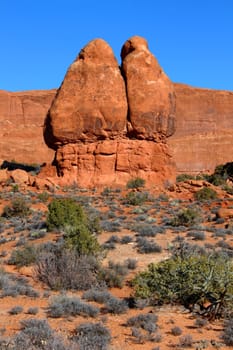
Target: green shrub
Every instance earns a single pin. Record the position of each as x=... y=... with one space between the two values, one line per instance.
x=136 y=183
x=191 y=281
x=81 y=239
x=18 y=208
x=206 y=193
x=136 y=198
x=63 y=212
x=186 y=217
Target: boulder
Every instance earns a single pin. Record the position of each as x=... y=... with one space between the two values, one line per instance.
x=91 y=103
x=150 y=93
x=19 y=176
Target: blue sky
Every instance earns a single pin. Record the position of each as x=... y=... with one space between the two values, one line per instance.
x=192 y=39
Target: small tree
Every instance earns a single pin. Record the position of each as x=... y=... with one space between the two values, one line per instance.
x=65 y=211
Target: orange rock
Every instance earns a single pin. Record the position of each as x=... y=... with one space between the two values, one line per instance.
x=19 y=176
x=224 y=213
x=204 y=129
x=91 y=102
x=150 y=93
x=22 y=117
x=3 y=176
x=112 y=162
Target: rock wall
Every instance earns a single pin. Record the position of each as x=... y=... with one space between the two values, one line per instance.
x=22 y=116
x=204 y=129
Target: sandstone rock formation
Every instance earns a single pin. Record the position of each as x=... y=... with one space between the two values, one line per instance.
x=87 y=120
x=91 y=102
x=22 y=117
x=204 y=129
x=112 y=162
x=150 y=93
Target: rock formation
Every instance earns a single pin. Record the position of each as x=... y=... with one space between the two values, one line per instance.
x=150 y=93
x=22 y=117
x=91 y=103
x=87 y=121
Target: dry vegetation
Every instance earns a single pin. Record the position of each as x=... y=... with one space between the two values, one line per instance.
x=125 y=269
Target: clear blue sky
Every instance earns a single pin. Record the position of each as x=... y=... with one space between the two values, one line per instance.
x=192 y=39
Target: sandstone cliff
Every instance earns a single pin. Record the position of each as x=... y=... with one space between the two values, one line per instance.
x=204 y=132
x=22 y=117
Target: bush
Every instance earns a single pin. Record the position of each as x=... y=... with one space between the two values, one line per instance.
x=37 y=334
x=113 y=275
x=190 y=281
x=145 y=246
x=176 y=331
x=228 y=332
x=147 y=322
x=136 y=183
x=63 y=212
x=92 y=336
x=82 y=240
x=17 y=208
x=186 y=217
x=62 y=268
x=23 y=257
x=34 y=332
x=63 y=306
x=186 y=341
x=97 y=295
x=136 y=198
x=116 y=306
x=204 y=194
x=16 y=310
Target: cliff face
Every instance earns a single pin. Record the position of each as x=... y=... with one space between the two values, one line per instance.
x=204 y=129
x=22 y=117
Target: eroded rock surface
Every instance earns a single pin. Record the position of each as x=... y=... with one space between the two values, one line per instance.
x=204 y=132
x=113 y=162
x=22 y=117
x=150 y=93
